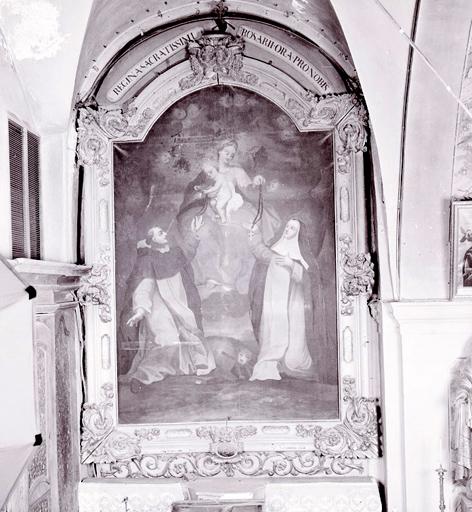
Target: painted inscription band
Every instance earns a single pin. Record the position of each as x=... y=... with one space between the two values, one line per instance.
x=291 y=56
x=150 y=62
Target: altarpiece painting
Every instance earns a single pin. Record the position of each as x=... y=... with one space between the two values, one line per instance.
x=248 y=328
x=227 y=324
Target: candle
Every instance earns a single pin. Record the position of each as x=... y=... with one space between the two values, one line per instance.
x=440 y=453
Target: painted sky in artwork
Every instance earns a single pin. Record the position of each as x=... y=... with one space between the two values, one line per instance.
x=155 y=183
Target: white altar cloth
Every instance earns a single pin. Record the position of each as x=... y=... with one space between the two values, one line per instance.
x=121 y=496
x=324 y=495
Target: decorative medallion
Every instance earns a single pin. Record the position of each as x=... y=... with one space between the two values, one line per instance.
x=226 y=441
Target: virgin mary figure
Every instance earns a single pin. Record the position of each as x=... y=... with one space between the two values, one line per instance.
x=283 y=283
x=224 y=258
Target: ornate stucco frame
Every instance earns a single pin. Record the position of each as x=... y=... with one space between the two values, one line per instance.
x=234 y=448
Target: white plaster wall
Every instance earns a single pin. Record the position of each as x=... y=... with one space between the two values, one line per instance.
x=419 y=354
x=14 y=104
x=421 y=340
x=50 y=80
x=442 y=34
x=380 y=55
x=59 y=201
x=16 y=375
x=39 y=92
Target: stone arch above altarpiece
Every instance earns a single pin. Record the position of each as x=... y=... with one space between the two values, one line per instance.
x=295 y=23
x=241 y=448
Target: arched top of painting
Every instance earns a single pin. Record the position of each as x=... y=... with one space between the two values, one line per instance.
x=197 y=127
x=214 y=113
x=302 y=110
x=224 y=111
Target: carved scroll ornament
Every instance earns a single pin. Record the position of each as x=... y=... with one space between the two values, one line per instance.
x=344 y=112
x=246 y=464
x=337 y=450
x=97 y=126
x=351 y=133
x=321 y=111
x=356 y=437
x=124 y=122
x=100 y=441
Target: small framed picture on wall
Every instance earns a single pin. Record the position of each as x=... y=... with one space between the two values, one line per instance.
x=461 y=249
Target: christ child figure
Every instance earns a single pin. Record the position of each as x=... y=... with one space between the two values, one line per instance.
x=220 y=191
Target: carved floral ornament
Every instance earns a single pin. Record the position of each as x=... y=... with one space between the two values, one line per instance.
x=358 y=275
x=336 y=450
x=96 y=285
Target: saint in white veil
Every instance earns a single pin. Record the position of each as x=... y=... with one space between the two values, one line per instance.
x=282 y=332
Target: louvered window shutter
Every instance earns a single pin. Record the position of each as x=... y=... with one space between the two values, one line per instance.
x=33 y=196
x=15 y=137
x=24 y=192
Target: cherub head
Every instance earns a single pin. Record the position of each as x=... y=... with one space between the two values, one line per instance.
x=244 y=356
x=165 y=157
x=466 y=236
x=209 y=168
